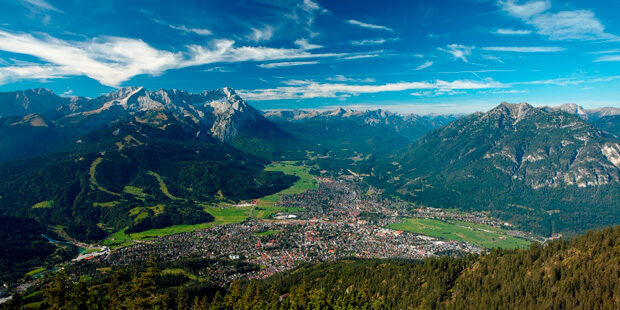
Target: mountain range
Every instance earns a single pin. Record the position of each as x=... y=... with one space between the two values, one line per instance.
x=87 y=162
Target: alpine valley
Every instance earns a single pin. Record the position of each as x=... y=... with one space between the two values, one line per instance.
x=136 y=171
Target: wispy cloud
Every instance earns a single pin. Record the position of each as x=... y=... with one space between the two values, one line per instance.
x=607 y=58
x=373 y=41
x=613 y=51
x=458 y=51
x=512 y=32
x=184 y=29
x=40 y=72
x=361 y=56
x=524 y=49
x=424 y=65
x=367 y=25
x=287 y=64
x=305 y=45
x=564 y=25
x=198 y=31
x=527 y=10
x=306 y=89
x=113 y=60
x=42 y=4
x=259 y=35
x=342 y=78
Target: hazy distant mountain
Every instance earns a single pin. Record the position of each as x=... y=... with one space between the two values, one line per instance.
x=513 y=155
x=24 y=102
x=410 y=126
x=606 y=118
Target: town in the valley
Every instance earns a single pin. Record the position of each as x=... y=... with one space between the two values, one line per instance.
x=339 y=219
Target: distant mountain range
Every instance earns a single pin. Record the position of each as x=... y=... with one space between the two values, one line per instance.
x=607 y=118
x=410 y=126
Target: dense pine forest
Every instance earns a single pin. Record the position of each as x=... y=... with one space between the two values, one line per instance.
x=582 y=272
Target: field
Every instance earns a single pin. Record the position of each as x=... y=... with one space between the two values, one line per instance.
x=223 y=215
x=306 y=181
x=267 y=233
x=43 y=204
x=478 y=234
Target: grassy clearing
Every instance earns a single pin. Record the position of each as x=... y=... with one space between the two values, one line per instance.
x=93 y=178
x=223 y=215
x=136 y=191
x=108 y=204
x=43 y=204
x=118 y=239
x=35 y=271
x=179 y=271
x=306 y=181
x=162 y=186
x=267 y=233
x=481 y=235
x=266 y=211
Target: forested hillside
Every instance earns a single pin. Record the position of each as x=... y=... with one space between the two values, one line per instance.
x=563 y=274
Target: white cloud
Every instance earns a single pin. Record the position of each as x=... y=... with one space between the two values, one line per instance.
x=113 y=60
x=564 y=25
x=424 y=65
x=42 y=4
x=307 y=89
x=44 y=72
x=522 y=49
x=224 y=51
x=614 y=51
x=571 y=25
x=305 y=45
x=458 y=51
x=342 y=78
x=260 y=35
x=373 y=41
x=361 y=56
x=512 y=32
x=369 y=42
x=608 y=58
x=219 y=69
x=301 y=12
x=287 y=64
x=198 y=31
x=370 y=26
x=492 y=58
x=185 y=29
x=526 y=10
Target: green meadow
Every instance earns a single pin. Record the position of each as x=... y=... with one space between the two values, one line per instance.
x=306 y=181
x=478 y=234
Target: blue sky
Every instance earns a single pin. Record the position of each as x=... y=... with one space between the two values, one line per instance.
x=406 y=56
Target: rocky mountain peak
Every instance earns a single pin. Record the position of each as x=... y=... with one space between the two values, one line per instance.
x=515 y=110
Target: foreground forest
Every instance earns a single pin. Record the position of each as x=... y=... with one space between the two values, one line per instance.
x=582 y=272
